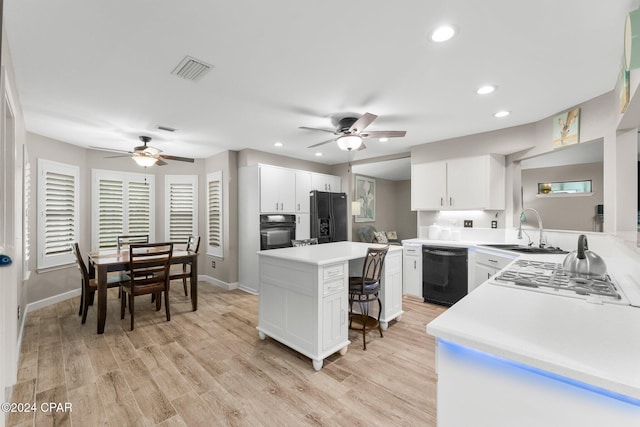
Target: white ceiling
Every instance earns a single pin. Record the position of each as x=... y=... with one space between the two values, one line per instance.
x=98 y=73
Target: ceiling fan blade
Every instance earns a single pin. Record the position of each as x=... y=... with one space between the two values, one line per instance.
x=161 y=162
x=322 y=143
x=110 y=150
x=121 y=155
x=323 y=130
x=181 y=159
x=384 y=134
x=362 y=123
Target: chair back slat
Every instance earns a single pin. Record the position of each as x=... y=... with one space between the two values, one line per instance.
x=304 y=242
x=149 y=263
x=373 y=263
x=124 y=242
x=193 y=244
x=79 y=261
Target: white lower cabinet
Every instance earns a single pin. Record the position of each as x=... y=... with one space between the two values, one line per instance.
x=487 y=264
x=412 y=280
x=334 y=317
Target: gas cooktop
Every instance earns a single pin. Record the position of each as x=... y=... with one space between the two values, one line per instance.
x=551 y=278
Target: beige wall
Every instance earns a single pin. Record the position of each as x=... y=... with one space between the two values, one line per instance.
x=393 y=210
x=570 y=212
x=253 y=157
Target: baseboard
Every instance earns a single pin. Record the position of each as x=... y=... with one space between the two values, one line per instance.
x=217 y=282
x=51 y=300
x=247 y=290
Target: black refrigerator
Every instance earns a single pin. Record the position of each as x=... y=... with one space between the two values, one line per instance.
x=329 y=216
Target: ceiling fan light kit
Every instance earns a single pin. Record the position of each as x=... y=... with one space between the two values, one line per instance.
x=349 y=142
x=143 y=160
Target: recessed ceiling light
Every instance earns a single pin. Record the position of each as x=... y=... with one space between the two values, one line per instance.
x=278 y=144
x=501 y=114
x=383 y=139
x=318 y=154
x=484 y=90
x=443 y=33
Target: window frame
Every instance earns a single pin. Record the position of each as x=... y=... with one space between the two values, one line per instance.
x=45 y=261
x=180 y=179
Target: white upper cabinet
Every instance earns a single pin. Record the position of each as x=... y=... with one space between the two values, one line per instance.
x=463 y=183
x=277 y=189
x=303 y=187
x=323 y=182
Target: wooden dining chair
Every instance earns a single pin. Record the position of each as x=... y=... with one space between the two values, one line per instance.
x=123 y=242
x=89 y=285
x=149 y=265
x=365 y=289
x=193 y=244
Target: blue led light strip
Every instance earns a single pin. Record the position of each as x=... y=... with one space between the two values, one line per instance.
x=470 y=352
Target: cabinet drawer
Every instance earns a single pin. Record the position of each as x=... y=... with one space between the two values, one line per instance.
x=493 y=260
x=332 y=271
x=332 y=287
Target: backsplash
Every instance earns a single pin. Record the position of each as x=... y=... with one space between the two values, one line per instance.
x=455 y=219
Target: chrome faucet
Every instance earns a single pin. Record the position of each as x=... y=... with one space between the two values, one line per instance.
x=541 y=243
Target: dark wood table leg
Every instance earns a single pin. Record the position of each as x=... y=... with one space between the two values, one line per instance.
x=194 y=282
x=102 y=298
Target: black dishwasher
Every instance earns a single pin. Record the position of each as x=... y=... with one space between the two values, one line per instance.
x=444 y=274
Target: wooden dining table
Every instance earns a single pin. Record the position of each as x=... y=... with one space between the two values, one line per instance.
x=105 y=261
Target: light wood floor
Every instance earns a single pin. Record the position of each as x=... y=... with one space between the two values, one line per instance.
x=209 y=368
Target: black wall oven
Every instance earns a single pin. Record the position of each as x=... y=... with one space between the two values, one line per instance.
x=444 y=274
x=277 y=231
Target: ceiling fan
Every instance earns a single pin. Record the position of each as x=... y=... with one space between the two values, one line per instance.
x=146 y=155
x=349 y=134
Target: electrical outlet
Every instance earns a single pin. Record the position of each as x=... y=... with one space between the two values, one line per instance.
x=213 y=264
x=18 y=312
x=468 y=223
x=494 y=224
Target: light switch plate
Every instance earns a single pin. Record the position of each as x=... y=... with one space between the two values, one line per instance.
x=468 y=223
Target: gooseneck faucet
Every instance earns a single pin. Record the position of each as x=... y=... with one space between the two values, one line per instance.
x=540 y=242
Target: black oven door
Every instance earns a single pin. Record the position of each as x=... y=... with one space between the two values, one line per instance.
x=277 y=231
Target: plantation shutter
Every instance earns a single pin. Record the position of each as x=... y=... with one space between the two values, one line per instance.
x=123 y=204
x=181 y=207
x=214 y=208
x=26 y=236
x=139 y=208
x=58 y=213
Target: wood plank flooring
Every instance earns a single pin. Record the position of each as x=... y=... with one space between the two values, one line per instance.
x=209 y=368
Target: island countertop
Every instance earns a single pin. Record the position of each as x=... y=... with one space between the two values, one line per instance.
x=325 y=253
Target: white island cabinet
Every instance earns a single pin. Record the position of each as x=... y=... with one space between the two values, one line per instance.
x=303 y=301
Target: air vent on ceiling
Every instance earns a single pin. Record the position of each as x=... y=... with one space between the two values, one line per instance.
x=166 y=128
x=191 y=68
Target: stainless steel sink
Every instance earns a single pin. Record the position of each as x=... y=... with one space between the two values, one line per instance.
x=526 y=249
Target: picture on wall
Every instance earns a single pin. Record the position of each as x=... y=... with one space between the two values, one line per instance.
x=365 y=194
x=565 y=128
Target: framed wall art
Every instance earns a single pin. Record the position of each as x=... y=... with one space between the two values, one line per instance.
x=565 y=128
x=365 y=194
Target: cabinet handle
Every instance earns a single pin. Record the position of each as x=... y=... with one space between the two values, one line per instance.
x=441 y=201
x=451 y=201
x=276 y=205
x=298 y=206
x=492 y=260
x=414 y=264
x=329 y=187
x=488 y=275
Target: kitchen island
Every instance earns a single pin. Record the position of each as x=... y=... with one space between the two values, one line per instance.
x=513 y=356
x=303 y=295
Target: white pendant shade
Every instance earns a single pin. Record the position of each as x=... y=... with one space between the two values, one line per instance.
x=349 y=142
x=144 y=161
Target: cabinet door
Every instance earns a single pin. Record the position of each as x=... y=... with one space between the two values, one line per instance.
x=335 y=183
x=334 y=318
x=303 y=187
x=467 y=181
x=481 y=274
x=269 y=189
x=303 y=226
x=287 y=190
x=412 y=275
x=319 y=182
x=428 y=186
